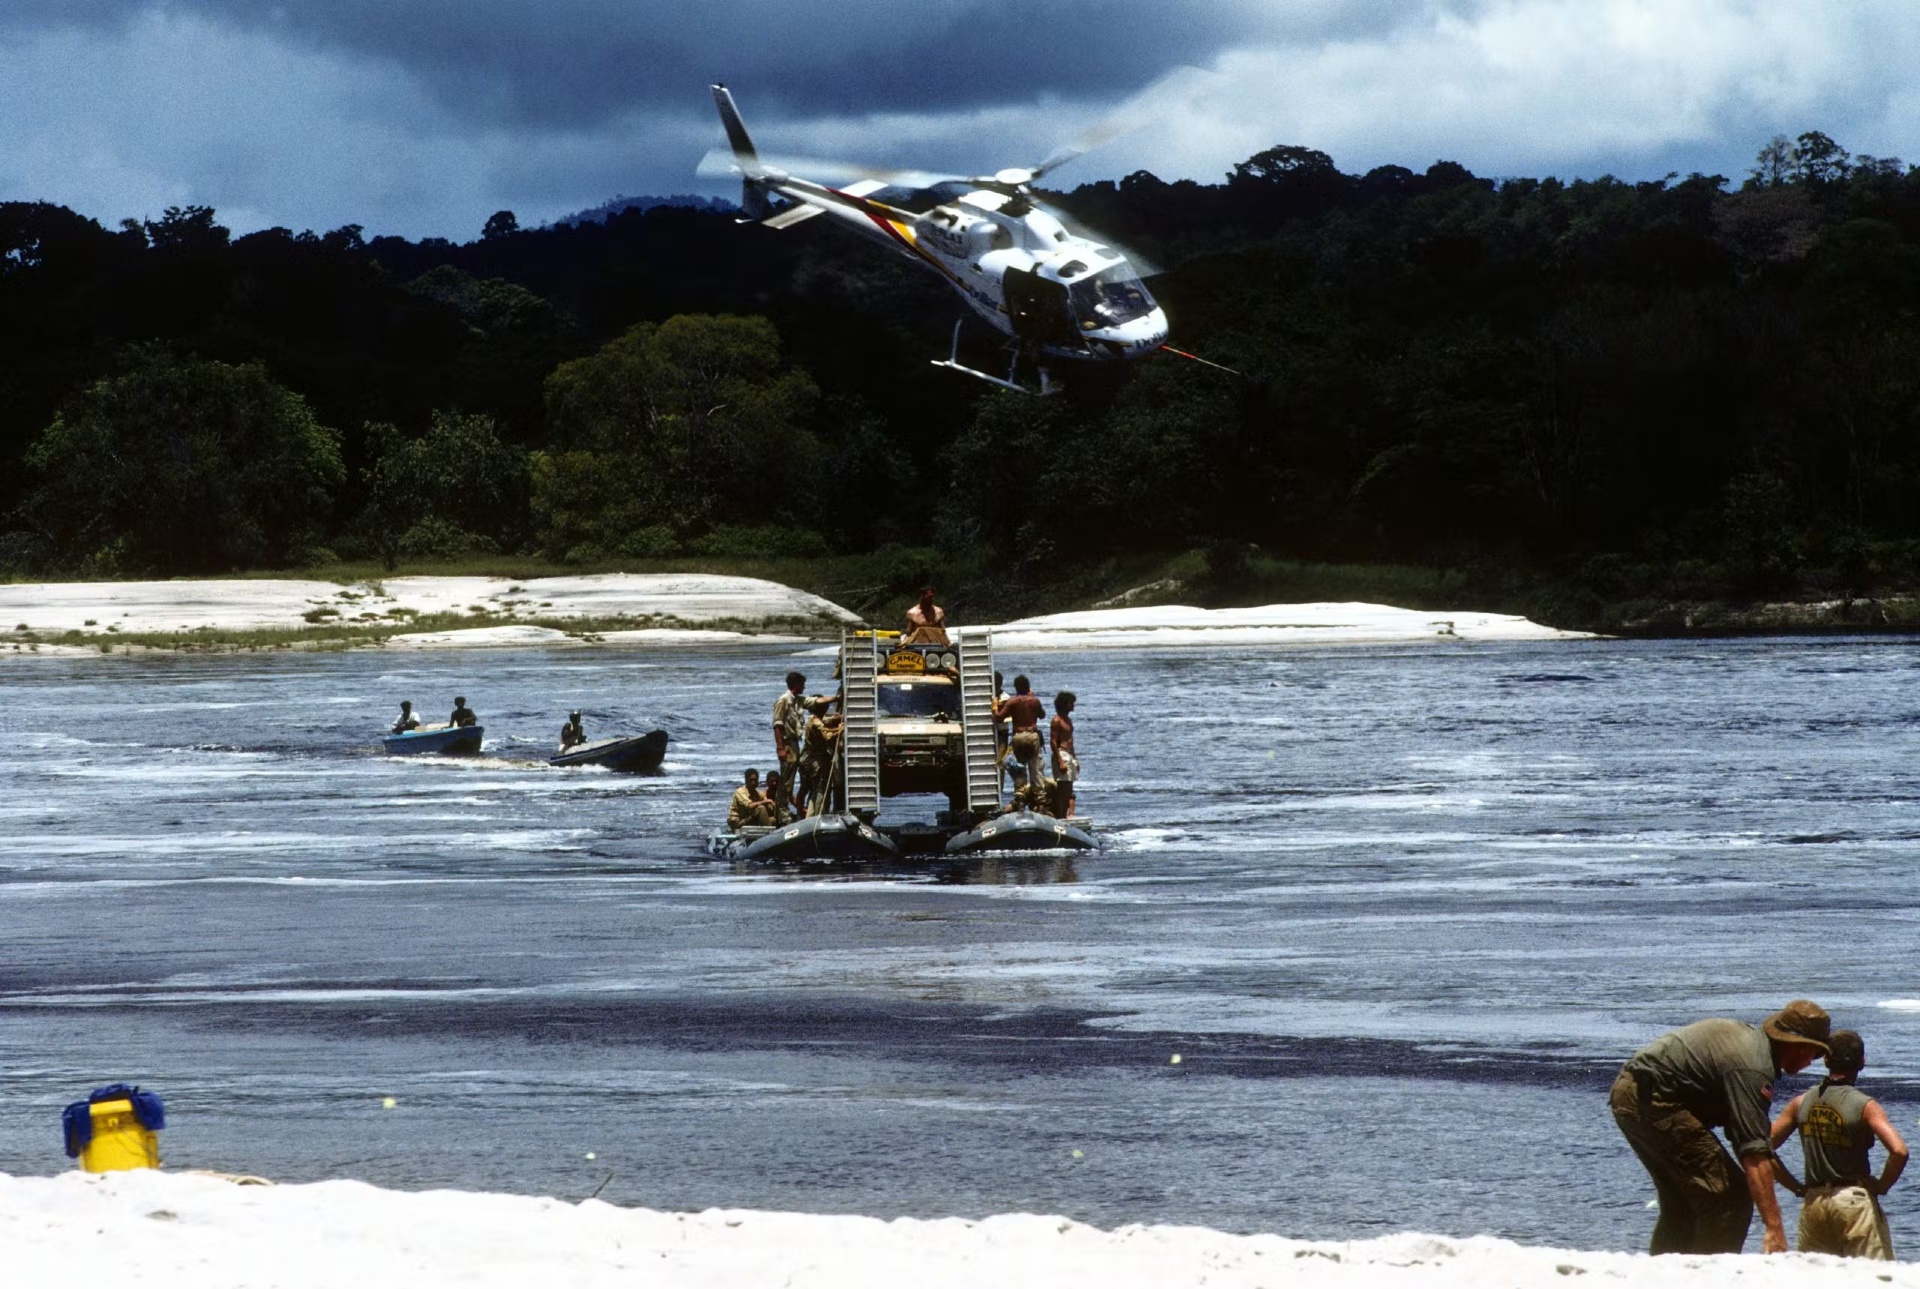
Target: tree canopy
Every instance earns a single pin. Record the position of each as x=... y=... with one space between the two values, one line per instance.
x=1617 y=389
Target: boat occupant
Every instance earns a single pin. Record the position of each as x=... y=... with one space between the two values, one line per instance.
x=1066 y=766
x=573 y=733
x=816 y=760
x=778 y=795
x=463 y=715
x=790 y=729
x=748 y=808
x=1023 y=713
x=1838 y=1124
x=1714 y=1074
x=926 y=621
x=407 y=721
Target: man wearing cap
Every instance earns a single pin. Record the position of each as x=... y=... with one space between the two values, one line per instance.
x=1714 y=1074
x=1838 y=1124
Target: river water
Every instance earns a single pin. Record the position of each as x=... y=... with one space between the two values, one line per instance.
x=1399 y=913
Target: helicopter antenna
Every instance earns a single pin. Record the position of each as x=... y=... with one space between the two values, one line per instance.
x=1205 y=362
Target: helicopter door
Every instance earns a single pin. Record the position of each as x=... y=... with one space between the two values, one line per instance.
x=1038 y=309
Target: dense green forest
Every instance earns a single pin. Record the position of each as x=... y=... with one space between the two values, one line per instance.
x=1596 y=400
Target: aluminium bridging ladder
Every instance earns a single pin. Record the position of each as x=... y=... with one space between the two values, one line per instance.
x=859 y=738
x=976 y=714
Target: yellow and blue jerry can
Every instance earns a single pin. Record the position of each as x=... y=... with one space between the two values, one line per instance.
x=117 y=1127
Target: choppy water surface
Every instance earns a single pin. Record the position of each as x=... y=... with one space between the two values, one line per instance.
x=1400 y=912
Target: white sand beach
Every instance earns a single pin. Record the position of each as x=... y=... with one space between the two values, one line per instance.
x=180 y=1231
x=668 y=609
x=1308 y=624
x=242 y=604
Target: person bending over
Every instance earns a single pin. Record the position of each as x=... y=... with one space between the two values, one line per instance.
x=1714 y=1074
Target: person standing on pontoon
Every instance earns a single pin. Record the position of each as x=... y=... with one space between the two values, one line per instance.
x=1023 y=714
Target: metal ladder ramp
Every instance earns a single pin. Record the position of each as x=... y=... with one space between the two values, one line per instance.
x=976 y=712
x=859 y=739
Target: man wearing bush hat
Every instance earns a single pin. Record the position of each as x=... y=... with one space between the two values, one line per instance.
x=1714 y=1074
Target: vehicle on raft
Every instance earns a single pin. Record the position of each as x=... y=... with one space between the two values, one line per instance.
x=443 y=740
x=636 y=754
x=917 y=718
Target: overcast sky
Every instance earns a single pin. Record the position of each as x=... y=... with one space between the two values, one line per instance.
x=422 y=117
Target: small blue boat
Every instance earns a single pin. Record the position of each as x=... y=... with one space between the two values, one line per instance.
x=447 y=740
x=621 y=755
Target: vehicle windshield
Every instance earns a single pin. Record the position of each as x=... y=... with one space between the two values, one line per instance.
x=920 y=699
x=1110 y=298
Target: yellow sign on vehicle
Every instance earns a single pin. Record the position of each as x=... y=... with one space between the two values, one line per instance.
x=902 y=662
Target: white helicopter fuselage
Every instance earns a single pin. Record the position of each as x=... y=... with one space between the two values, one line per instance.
x=1012 y=260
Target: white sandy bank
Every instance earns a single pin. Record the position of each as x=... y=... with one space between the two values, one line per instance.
x=187 y=1232
x=284 y=603
x=680 y=604
x=1177 y=624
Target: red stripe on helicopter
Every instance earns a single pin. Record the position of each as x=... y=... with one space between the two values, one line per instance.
x=888 y=227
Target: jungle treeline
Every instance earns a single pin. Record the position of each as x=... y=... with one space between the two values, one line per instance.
x=1602 y=396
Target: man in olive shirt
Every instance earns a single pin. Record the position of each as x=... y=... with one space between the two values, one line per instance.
x=1838 y=1124
x=1714 y=1074
x=748 y=808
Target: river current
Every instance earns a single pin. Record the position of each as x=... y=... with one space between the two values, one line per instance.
x=1372 y=930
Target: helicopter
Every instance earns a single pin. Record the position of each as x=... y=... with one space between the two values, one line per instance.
x=1053 y=292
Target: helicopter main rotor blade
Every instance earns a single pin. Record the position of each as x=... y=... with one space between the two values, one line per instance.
x=719 y=164
x=1149 y=105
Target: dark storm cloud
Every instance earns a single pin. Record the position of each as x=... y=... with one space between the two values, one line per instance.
x=424 y=116
x=573 y=62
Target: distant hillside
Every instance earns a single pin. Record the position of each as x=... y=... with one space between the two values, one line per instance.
x=608 y=209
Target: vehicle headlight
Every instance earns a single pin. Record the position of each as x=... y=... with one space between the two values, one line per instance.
x=949 y=660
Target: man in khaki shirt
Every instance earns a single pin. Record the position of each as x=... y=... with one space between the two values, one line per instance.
x=748 y=808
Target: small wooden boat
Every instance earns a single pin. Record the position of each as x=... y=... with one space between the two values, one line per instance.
x=447 y=740
x=621 y=755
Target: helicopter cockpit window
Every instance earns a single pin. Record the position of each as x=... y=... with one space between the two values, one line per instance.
x=918 y=201
x=1110 y=298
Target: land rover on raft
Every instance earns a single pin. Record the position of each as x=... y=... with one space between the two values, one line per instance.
x=919 y=726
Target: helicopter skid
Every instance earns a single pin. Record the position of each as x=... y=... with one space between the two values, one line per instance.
x=952 y=363
x=1046 y=386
